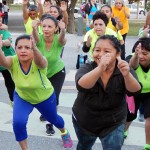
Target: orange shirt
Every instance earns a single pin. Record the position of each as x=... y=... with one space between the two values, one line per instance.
x=122 y=17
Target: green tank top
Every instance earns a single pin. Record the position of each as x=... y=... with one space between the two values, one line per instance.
x=144 y=78
x=33 y=87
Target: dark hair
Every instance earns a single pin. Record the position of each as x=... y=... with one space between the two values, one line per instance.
x=145 y=43
x=106 y=5
x=48 y=16
x=23 y=36
x=114 y=41
x=100 y=15
x=4 y=2
x=33 y=8
x=59 y=12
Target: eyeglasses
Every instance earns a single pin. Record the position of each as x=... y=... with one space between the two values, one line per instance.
x=118 y=3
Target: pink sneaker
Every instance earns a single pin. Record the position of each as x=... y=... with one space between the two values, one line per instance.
x=67 y=142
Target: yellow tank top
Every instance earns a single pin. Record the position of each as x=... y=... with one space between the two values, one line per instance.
x=28 y=26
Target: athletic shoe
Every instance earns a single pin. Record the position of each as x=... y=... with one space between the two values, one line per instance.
x=141 y=118
x=49 y=129
x=125 y=134
x=67 y=142
x=146 y=147
x=42 y=118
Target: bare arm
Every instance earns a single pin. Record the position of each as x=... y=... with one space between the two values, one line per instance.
x=40 y=8
x=131 y=83
x=134 y=61
x=61 y=38
x=91 y=77
x=89 y=80
x=6 y=62
x=63 y=6
x=4 y=27
x=39 y=59
x=35 y=24
x=25 y=11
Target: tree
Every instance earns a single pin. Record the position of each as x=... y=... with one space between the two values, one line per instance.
x=71 y=24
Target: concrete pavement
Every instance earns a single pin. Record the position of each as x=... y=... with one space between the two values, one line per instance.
x=38 y=140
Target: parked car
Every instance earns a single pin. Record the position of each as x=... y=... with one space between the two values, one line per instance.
x=133 y=9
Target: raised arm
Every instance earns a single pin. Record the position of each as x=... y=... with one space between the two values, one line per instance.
x=39 y=59
x=25 y=11
x=6 y=62
x=134 y=61
x=131 y=83
x=35 y=24
x=63 y=6
x=40 y=8
x=61 y=38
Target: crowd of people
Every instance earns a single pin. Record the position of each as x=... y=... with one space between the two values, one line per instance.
x=34 y=73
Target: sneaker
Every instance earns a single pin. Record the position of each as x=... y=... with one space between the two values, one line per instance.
x=125 y=134
x=146 y=147
x=11 y=104
x=67 y=142
x=42 y=118
x=49 y=129
x=141 y=118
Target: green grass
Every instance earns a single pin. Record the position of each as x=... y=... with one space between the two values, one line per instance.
x=15 y=7
x=134 y=26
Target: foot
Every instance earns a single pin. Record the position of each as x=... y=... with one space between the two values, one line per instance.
x=42 y=118
x=50 y=130
x=67 y=142
x=141 y=118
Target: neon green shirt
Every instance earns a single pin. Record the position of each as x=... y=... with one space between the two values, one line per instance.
x=94 y=37
x=55 y=63
x=28 y=26
x=34 y=87
x=8 y=51
x=144 y=78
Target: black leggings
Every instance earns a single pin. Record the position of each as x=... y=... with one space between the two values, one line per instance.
x=9 y=83
x=57 y=81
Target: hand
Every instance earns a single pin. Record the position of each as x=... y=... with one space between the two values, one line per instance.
x=35 y=24
x=123 y=9
x=38 y=1
x=61 y=24
x=146 y=31
x=104 y=62
x=123 y=66
x=117 y=19
x=89 y=40
x=138 y=49
x=25 y=2
x=63 y=6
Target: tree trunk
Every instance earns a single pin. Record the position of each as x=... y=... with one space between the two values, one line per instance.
x=71 y=24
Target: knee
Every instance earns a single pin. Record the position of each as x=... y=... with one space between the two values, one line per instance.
x=19 y=125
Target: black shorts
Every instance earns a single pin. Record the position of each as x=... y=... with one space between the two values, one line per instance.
x=143 y=98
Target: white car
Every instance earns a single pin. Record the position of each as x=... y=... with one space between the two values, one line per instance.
x=133 y=9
